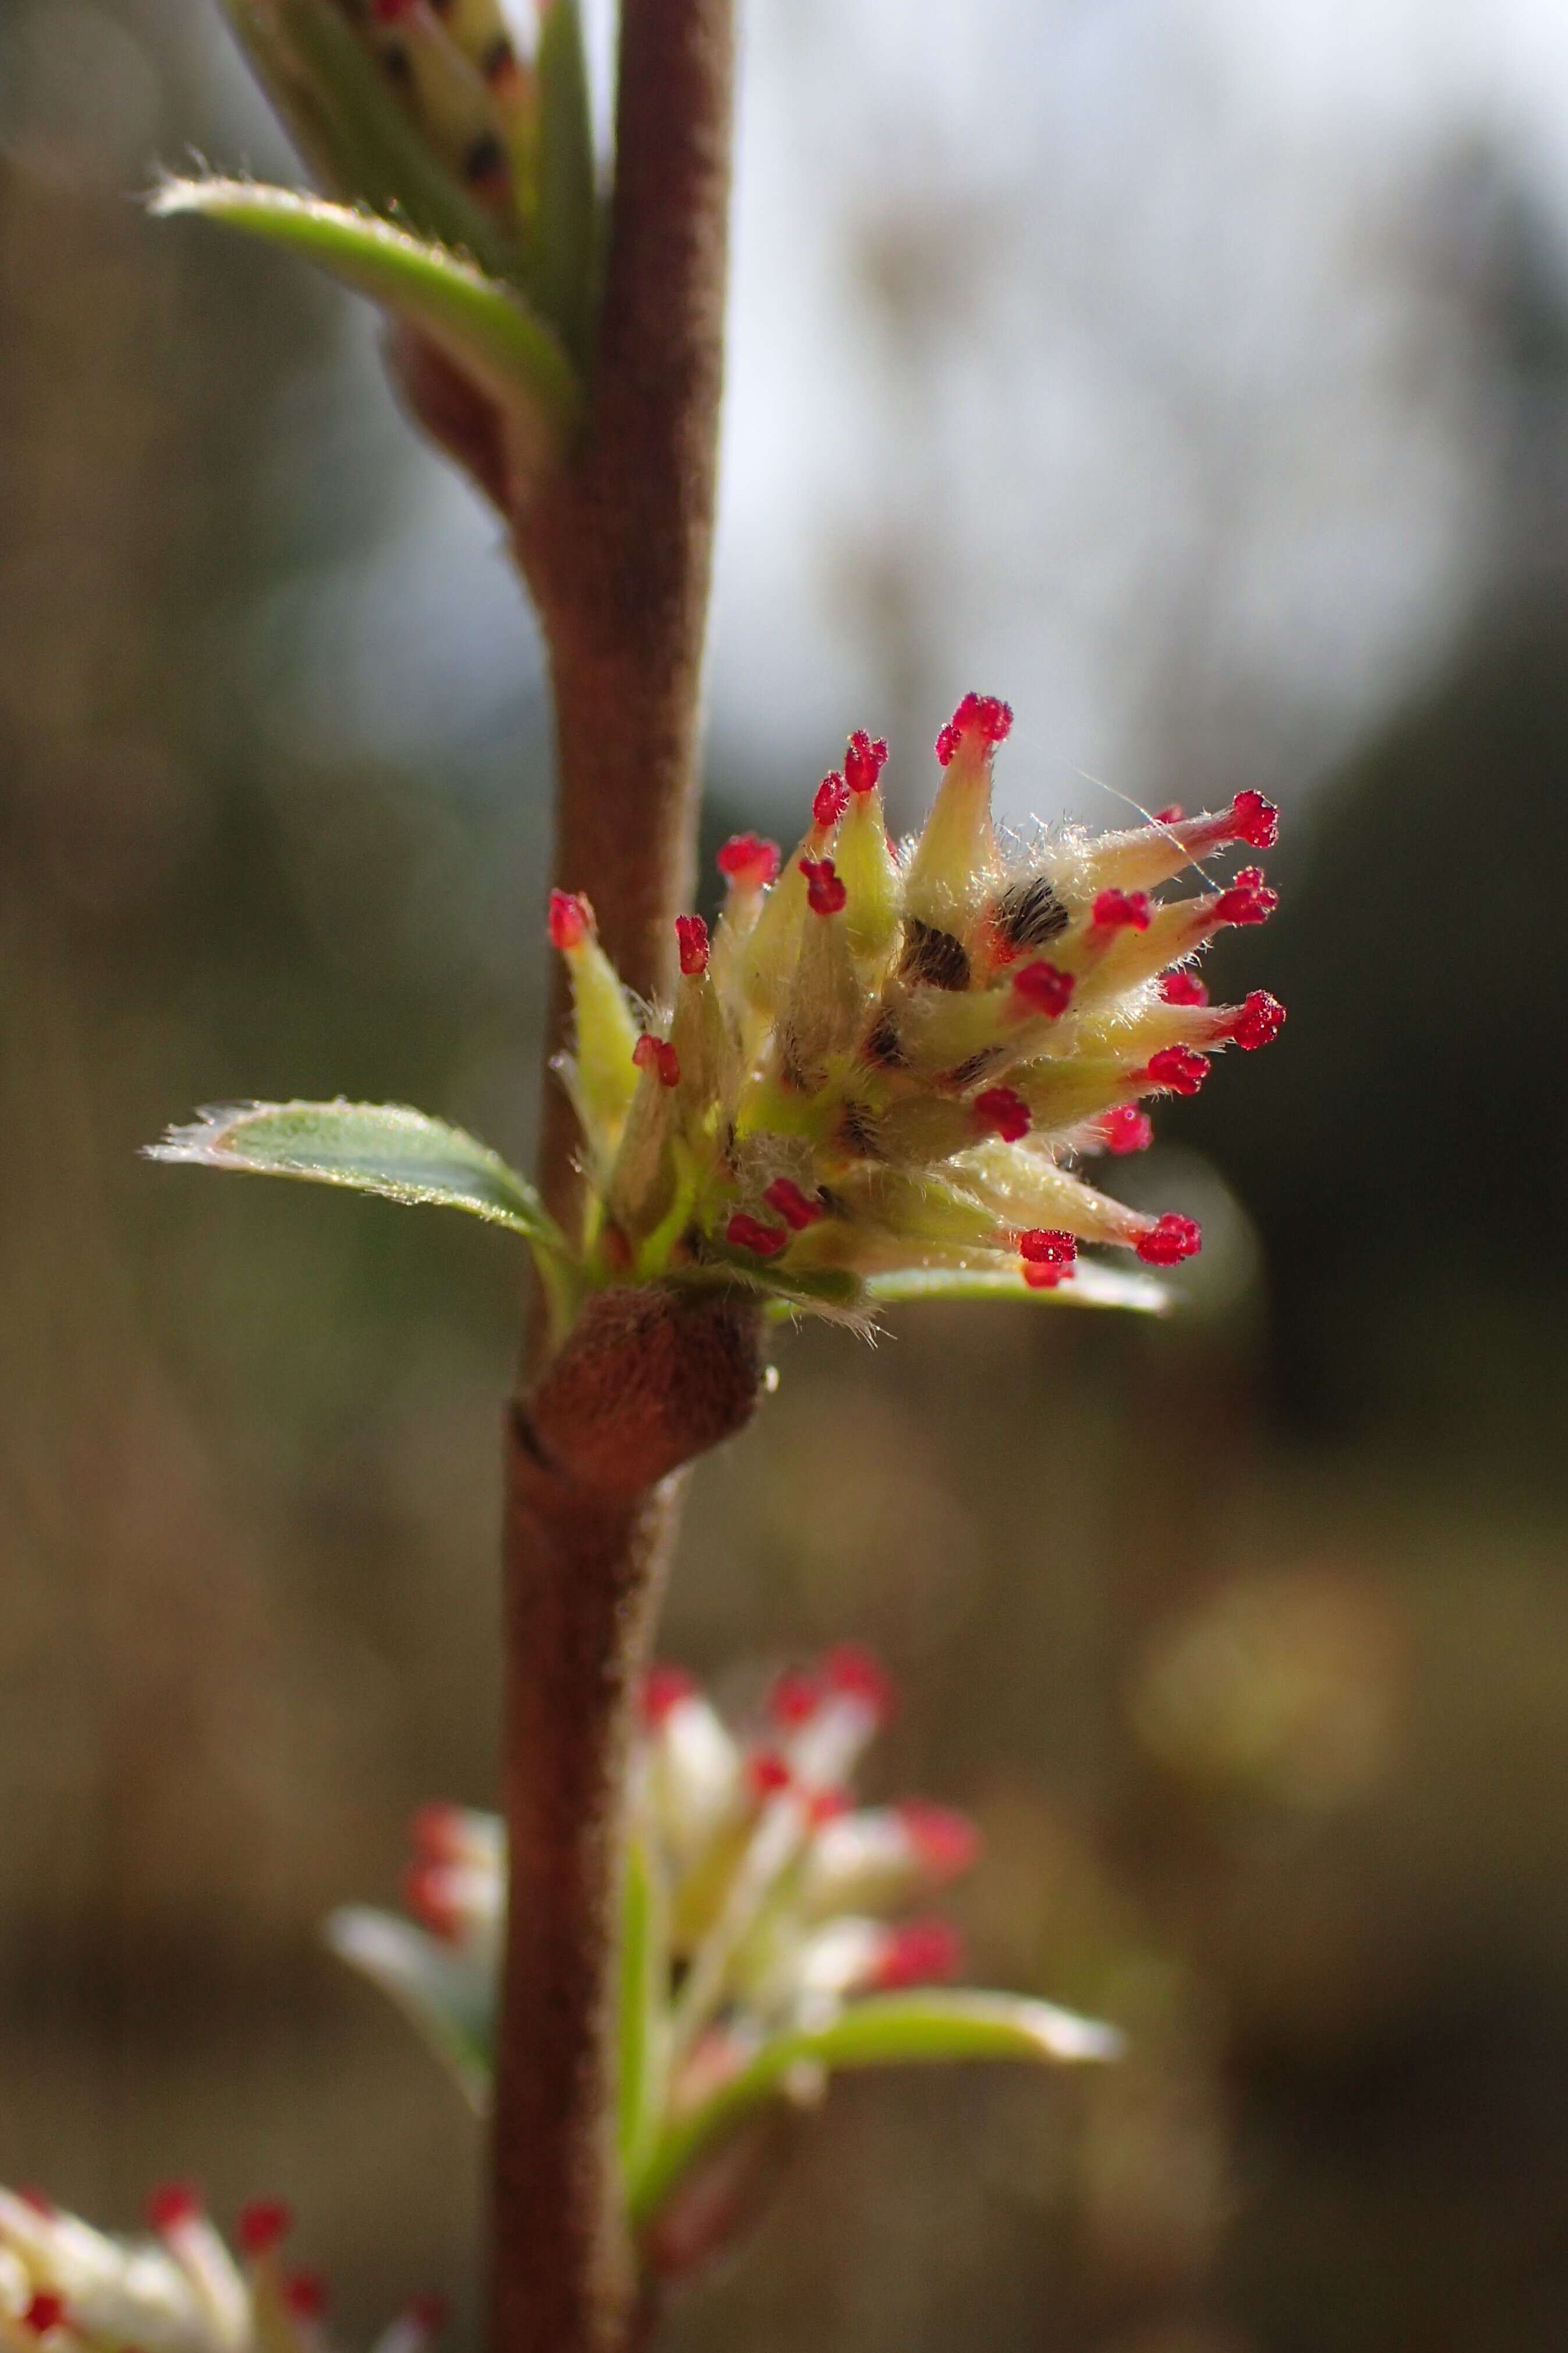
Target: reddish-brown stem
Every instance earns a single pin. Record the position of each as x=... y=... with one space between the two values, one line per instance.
x=616 y=549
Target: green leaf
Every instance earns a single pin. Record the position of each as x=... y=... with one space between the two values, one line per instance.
x=484 y=328
x=644 y=1977
x=449 y=1999
x=886 y=2030
x=374 y=1147
x=1091 y=1285
x=568 y=197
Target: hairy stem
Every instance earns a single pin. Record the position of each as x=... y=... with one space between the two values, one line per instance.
x=617 y=551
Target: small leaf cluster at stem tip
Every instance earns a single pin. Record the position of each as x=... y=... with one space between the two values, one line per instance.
x=772 y=1931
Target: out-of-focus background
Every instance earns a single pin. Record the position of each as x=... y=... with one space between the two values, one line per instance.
x=1195 y=373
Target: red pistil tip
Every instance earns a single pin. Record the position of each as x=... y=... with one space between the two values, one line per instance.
x=571 y=920
x=749 y=860
x=796 y=1208
x=945 y=1842
x=1169 y=1239
x=390 y=12
x=851 y=1673
x=1043 y=987
x=1248 y=899
x=176 y=2202
x=427 y=1894
x=795 y=1698
x=864 y=762
x=651 y=1053
x=825 y=1805
x=987 y=715
x=39 y=2201
x=664 y=1690
x=1255 y=821
x=1172 y=814
x=831 y=801
x=1000 y=1111
x=306 y=2294
x=750 y=1233
x=44 y=2312
x=1180 y=987
x=262 y=2224
x=430 y=2312
x=922 y=1952
x=1180 y=1069
x=767 y=1773
x=1048 y=1257
x=823 y=888
x=436 y=1832
x=691 y=933
x=1127 y=1129
x=1116 y=910
x=1259 y=1022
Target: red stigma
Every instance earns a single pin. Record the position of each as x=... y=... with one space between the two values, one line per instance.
x=176 y=2202
x=44 y=2312
x=651 y=1053
x=826 y=1806
x=1172 y=814
x=1127 y=1129
x=945 y=1842
x=851 y=1673
x=430 y=2312
x=749 y=860
x=832 y=800
x=571 y=920
x=306 y=2294
x=1116 y=910
x=1248 y=899
x=750 y=1233
x=1255 y=821
x=692 y=935
x=825 y=891
x=262 y=2224
x=864 y=762
x=38 y=2201
x=767 y=1774
x=1180 y=987
x=425 y=1893
x=1048 y=1257
x=795 y=1698
x=1178 y=1068
x=797 y=1209
x=390 y=11
x=991 y=718
x=1169 y=1239
x=1043 y=989
x=1259 y=1023
x=436 y=1832
x=664 y=1689
x=1001 y=1111
x=922 y=1952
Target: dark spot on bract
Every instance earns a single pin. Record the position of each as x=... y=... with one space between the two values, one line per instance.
x=934 y=958
x=1028 y=913
x=485 y=159
x=499 y=59
x=882 y=1045
x=857 y=1130
x=964 y=1074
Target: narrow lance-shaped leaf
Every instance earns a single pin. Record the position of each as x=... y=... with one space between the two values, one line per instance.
x=450 y=2003
x=382 y=1148
x=568 y=197
x=484 y=328
x=1091 y=1285
x=887 y=2030
x=644 y=1971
